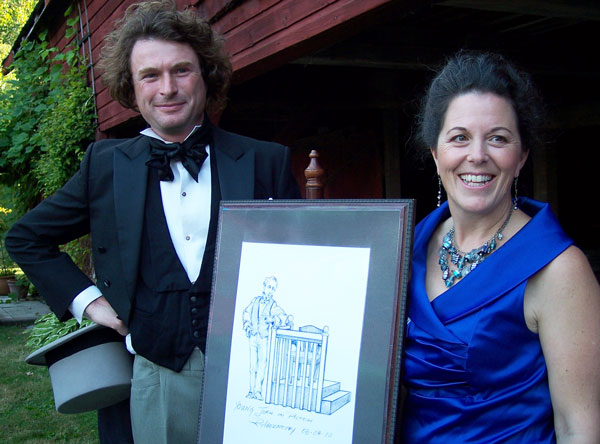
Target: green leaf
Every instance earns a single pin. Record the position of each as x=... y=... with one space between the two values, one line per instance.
x=46 y=120
x=20 y=139
x=38 y=72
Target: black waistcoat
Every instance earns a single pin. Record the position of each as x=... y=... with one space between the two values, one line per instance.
x=169 y=314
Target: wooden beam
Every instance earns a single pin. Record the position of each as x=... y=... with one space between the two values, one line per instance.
x=578 y=9
x=266 y=23
x=114 y=115
x=378 y=55
x=247 y=10
x=288 y=42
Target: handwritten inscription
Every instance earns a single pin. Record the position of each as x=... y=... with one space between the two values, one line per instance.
x=291 y=423
x=299 y=418
x=266 y=424
x=309 y=432
x=244 y=408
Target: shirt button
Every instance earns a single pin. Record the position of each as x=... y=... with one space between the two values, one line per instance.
x=184 y=194
x=187 y=238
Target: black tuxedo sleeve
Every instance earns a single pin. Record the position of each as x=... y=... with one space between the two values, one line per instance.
x=33 y=242
x=287 y=186
x=274 y=177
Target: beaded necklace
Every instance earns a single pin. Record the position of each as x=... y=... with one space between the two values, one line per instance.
x=465 y=262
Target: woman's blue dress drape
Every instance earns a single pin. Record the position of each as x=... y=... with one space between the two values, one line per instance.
x=474 y=372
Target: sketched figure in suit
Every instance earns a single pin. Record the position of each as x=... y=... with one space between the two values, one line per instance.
x=259 y=317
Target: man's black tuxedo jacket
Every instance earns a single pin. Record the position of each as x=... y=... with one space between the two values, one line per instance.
x=106 y=198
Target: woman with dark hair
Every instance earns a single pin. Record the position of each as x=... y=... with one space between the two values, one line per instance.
x=503 y=336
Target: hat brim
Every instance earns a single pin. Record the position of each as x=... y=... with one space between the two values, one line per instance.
x=38 y=357
x=90 y=368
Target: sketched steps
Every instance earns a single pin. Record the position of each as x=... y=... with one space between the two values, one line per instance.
x=332 y=399
x=335 y=401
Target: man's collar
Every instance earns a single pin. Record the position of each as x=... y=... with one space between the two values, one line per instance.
x=151 y=133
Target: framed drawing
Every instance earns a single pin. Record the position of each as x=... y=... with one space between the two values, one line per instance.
x=306 y=322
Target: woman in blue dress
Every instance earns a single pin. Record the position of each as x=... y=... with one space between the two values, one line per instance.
x=503 y=336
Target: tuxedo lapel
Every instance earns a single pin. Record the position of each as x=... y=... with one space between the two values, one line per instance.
x=235 y=165
x=130 y=183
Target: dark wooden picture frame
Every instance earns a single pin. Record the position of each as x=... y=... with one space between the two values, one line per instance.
x=381 y=227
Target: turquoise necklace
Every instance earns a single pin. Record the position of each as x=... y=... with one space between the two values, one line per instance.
x=465 y=262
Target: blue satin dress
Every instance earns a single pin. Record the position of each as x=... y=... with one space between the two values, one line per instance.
x=473 y=370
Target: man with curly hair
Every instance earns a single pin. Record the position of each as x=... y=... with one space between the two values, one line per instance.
x=151 y=205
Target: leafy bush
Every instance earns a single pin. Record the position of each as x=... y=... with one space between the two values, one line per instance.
x=13 y=14
x=47 y=118
x=6 y=217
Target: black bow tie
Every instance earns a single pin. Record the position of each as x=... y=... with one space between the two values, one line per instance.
x=191 y=153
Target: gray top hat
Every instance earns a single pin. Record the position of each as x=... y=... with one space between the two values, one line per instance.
x=90 y=368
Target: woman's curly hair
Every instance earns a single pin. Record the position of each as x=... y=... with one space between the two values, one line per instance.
x=469 y=71
x=161 y=20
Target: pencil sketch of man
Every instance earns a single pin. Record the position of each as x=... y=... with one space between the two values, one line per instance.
x=259 y=317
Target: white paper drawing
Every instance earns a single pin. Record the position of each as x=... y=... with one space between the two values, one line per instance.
x=296 y=343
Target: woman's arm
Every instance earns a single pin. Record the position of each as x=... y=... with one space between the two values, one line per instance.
x=562 y=303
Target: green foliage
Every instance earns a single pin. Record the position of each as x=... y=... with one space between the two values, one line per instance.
x=64 y=132
x=6 y=219
x=24 y=281
x=79 y=250
x=48 y=328
x=13 y=15
x=46 y=119
x=10 y=298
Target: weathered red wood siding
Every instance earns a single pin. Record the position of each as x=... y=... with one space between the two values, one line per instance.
x=259 y=34
x=102 y=14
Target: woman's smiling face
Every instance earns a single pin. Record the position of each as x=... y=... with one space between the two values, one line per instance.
x=479 y=152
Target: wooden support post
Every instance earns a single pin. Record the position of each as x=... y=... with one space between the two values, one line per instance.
x=314 y=177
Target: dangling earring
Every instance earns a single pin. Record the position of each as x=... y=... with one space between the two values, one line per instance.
x=516 y=194
x=439 y=194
